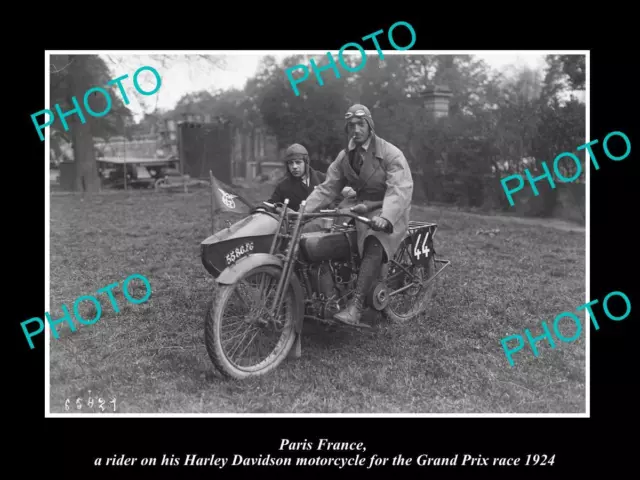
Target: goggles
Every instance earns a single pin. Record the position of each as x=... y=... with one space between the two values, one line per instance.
x=357 y=113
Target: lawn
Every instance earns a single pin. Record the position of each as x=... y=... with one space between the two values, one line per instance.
x=151 y=357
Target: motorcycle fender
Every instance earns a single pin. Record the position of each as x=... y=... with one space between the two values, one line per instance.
x=233 y=273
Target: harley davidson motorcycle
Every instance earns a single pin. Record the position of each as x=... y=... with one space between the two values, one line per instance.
x=270 y=277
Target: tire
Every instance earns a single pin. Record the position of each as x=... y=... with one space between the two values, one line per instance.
x=425 y=294
x=213 y=327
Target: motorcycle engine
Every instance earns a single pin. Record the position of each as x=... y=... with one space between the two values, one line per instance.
x=343 y=274
x=322 y=281
x=330 y=282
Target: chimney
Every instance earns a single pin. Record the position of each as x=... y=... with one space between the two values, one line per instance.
x=436 y=100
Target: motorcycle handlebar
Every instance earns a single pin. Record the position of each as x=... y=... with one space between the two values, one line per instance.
x=342 y=213
x=335 y=213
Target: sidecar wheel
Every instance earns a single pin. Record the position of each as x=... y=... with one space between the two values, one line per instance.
x=249 y=325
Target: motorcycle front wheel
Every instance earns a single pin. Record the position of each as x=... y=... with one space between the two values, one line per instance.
x=237 y=323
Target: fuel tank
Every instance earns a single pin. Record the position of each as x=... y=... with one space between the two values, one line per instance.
x=252 y=234
x=325 y=246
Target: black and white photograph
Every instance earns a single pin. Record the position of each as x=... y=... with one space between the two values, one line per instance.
x=301 y=233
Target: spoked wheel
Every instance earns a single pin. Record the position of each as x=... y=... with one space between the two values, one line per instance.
x=414 y=298
x=241 y=338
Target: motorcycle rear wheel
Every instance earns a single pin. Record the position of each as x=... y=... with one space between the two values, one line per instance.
x=214 y=325
x=418 y=299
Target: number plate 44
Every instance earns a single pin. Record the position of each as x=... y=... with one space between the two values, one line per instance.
x=421 y=247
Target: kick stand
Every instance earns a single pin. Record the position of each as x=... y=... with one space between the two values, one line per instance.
x=296 y=352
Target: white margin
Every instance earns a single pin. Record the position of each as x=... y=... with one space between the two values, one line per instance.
x=587 y=197
x=47 y=234
x=587 y=100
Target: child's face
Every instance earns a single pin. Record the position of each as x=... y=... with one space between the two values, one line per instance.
x=296 y=167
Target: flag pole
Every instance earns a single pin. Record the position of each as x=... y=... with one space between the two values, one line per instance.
x=213 y=228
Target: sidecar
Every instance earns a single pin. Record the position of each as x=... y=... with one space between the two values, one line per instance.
x=251 y=235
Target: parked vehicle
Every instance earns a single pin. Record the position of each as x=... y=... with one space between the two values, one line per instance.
x=138 y=176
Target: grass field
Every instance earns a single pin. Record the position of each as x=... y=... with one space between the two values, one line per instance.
x=151 y=357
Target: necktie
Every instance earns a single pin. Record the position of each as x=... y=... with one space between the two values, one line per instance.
x=357 y=159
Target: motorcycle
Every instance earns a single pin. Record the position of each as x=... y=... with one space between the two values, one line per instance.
x=271 y=277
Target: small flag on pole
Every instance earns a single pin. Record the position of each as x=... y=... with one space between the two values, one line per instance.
x=226 y=200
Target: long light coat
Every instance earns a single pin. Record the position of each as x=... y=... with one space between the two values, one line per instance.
x=384 y=175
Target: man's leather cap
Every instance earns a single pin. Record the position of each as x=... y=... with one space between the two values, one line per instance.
x=296 y=151
x=359 y=111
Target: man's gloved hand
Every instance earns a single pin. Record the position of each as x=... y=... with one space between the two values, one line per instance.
x=380 y=223
x=348 y=192
x=360 y=209
x=279 y=208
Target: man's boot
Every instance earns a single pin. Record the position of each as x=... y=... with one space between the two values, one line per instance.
x=352 y=314
x=368 y=275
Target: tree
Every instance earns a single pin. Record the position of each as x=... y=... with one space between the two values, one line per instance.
x=73 y=75
x=196 y=64
x=564 y=72
x=499 y=122
x=313 y=118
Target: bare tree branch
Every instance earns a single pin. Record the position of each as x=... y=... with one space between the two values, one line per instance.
x=112 y=60
x=54 y=69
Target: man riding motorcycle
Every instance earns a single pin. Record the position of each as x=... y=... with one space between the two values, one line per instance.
x=378 y=172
